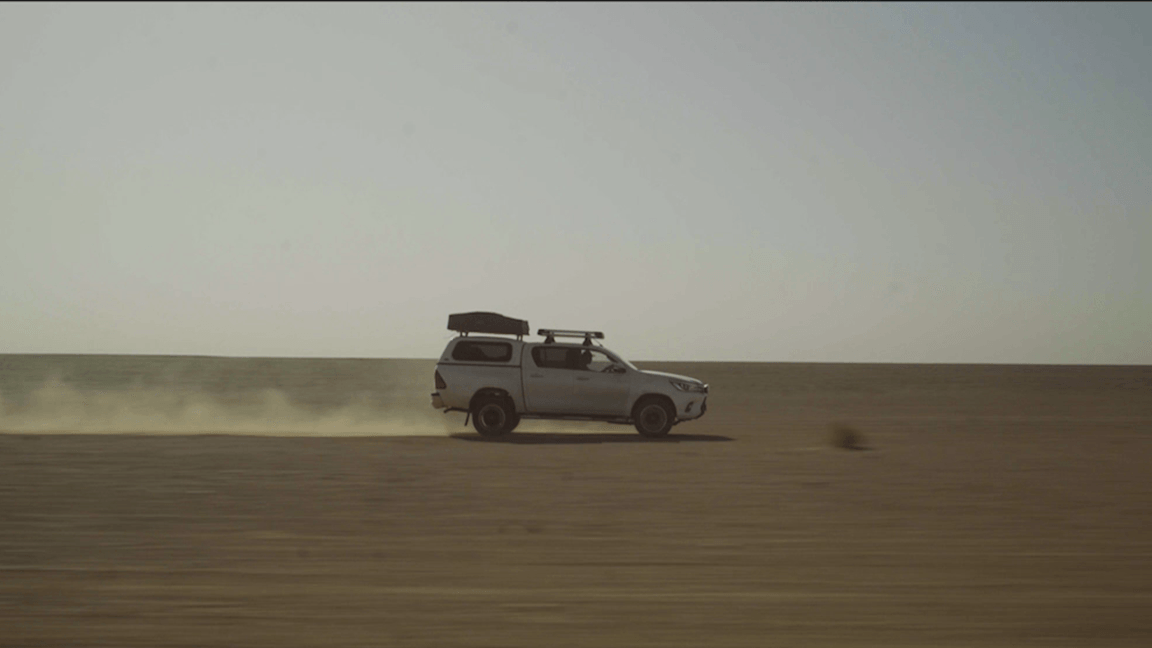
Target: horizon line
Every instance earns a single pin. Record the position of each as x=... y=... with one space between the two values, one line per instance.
x=433 y=359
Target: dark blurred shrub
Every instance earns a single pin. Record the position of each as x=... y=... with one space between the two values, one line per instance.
x=846 y=437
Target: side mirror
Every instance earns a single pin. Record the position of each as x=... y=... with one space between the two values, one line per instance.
x=616 y=369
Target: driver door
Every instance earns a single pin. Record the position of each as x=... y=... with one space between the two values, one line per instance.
x=602 y=386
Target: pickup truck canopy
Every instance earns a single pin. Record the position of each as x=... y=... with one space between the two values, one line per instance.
x=487 y=323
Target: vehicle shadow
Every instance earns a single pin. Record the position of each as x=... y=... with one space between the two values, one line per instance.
x=569 y=438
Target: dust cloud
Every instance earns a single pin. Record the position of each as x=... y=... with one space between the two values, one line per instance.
x=56 y=407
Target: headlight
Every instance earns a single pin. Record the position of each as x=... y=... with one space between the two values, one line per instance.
x=689 y=387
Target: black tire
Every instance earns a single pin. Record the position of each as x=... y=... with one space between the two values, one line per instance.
x=653 y=417
x=492 y=417
x=513 y=421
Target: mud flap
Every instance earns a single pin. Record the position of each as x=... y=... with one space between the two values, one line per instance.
x=466 y=417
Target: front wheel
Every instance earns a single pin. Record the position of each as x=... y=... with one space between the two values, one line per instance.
x=492 y=417
x=653 y=417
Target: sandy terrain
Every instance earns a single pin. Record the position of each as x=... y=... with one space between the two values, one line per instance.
x=994 y=506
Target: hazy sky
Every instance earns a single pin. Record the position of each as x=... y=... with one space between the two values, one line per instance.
x=770 y=182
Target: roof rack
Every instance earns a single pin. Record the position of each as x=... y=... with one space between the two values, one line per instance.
x=552 y=334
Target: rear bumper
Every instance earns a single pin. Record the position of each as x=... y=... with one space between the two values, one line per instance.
x=437 y=402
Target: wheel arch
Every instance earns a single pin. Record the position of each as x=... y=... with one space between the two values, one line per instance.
x=652 y=396
x=492 y=392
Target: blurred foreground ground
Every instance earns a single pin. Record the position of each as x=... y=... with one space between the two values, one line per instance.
x=994 y=506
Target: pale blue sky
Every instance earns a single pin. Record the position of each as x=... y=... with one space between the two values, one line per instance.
x=767 y=182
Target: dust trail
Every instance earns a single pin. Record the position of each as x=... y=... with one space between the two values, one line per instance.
x=56 y=407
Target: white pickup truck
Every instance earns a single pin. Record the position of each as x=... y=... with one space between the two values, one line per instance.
x=499 y=380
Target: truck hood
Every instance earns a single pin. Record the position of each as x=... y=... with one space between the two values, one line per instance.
x=672 y=376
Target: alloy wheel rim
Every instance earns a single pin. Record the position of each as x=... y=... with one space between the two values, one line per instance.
x=654 y=417
x=492 y=417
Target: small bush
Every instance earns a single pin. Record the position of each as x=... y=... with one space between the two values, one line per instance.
x=846 y=437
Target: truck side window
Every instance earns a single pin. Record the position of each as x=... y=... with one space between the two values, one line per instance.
x=569 y=358
x=467 y=351
x=551 y=357
x=599 y=362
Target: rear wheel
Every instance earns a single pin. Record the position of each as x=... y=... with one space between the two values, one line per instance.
x=492 y=417
x=653 y=417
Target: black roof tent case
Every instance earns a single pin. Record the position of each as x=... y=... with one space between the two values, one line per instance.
x=486 y=323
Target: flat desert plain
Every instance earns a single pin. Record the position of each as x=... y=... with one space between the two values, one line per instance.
x=185 y=501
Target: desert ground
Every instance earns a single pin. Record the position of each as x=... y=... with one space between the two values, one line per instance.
x=183 y=501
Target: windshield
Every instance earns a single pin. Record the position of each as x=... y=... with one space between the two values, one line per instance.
x=623 y=361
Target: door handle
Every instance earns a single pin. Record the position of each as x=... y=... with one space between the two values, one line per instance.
x=535 y=375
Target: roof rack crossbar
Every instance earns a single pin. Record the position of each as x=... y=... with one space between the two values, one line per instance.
x=563 y=333
x=552 y=334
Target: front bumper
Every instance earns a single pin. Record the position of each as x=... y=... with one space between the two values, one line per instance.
x=693 y=409
x=437 y=402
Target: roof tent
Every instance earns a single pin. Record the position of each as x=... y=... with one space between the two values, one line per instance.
x=466 y=323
